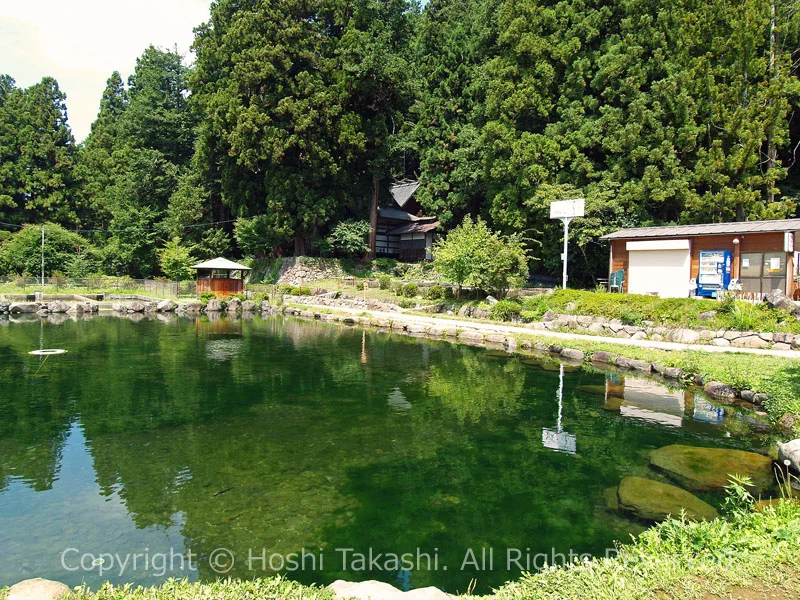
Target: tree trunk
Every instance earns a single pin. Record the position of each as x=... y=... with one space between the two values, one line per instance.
x=299 y=244
x=772 y=150
x=373 y=216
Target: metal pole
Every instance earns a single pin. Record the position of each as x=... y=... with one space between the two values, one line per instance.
x=566 y=221
x=42 y=256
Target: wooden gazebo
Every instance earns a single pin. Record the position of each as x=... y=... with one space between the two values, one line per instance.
x=219 y=276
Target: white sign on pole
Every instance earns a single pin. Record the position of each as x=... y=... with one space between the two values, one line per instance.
x=567 y=209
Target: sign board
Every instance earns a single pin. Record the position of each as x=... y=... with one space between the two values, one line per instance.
x=567 y=209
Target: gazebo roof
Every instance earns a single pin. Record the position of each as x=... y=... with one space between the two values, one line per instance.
x=222 y=264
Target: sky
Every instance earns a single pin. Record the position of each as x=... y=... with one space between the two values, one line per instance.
x=81 y=42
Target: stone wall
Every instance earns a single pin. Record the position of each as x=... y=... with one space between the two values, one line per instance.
x=303 y=270
x=716 y=337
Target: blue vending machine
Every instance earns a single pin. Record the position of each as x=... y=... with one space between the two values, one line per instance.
x=714 y=273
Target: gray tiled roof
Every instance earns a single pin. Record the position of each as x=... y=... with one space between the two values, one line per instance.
x=737 y=228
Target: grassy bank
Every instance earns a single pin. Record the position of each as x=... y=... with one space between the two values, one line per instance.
x=754 y=552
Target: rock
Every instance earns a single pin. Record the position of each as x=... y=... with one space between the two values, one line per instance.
x=781 y=346
x=654 y=501
x=573 y=354
x=377 y=590
x=698 y=468
x=214 y=305
x=465 y=311
x=639 y=365
x=708 y=315
x=747 y=395
x=548 y=316
x=248 y=306
x=555 y=348
x=4 y=305
x=719 y=391
x=119 y=308
x=683 y=336
x=750 y=341
x=639 y=335
x=480 y=313
x=787 y=423
x=673 y=373
x=37 y=589
x=470 y=336
x=491 y=300
x=23 y=308
x=193 y=307
x=720 y=341
x=790 y=451
x=777 y=299
x=603 y=357
x=540 y=347
x=760 y=398
x=622 y=362
x=234 y=305
x=166 y=306
x=265 y=305
x=136 y=307
x=58 y=306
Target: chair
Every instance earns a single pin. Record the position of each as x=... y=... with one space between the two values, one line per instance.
x=616 y=281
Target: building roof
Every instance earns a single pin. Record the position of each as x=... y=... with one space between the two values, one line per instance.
x=401 y=215
x=737 y=228
x=221 y=264
x=403 y=190
x=413 y=228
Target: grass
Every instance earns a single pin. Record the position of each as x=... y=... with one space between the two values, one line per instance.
x=750 y=551
x=633 y=309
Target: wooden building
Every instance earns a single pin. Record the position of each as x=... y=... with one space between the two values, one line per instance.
x=403 y=231
x=755 y=257
x=221 y=276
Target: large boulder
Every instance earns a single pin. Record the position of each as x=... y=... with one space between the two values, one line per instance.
x=777 y=299
x=4 y=305
x=248 y=306
x=710 y=468
x=57 y=306
x=214 y=305
x=23 y=308
x=683 y=336
x=234 y=305
x=790 y=451
x=137 y=307
x=655 y=501
x=166 y=306
x=716 y=390
x=37 y=589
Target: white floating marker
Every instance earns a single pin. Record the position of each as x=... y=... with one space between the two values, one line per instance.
x=47 y=352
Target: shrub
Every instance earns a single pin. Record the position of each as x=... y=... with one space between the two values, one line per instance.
x=303 y=291
x=386 y=265
x=350 y=237
x=175 y=260
x=436 y=292
x=385 y=282
x=744 y=316
x=505 y=310
x=410 y=290
x=206 y=296
x=449 y=294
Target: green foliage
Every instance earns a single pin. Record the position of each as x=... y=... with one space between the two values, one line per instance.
x=737 y=494
x=22 y=252
x=385 y=265
x=744 y=316
x=349 y=238
x=206 y=296
x=384 y=282
x=176 y=260
x=505 y=310
x=435 y=292
x=410 y=290
x=255 y=236
x=474 y=255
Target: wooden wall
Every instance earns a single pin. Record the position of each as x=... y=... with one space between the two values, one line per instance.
x=751 y=242
x=221 y=287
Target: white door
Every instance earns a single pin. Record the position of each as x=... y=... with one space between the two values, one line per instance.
x=662 y=272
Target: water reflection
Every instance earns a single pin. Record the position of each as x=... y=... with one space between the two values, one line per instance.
x=557 y=439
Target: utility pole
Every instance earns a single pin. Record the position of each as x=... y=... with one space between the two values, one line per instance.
x=42 y=256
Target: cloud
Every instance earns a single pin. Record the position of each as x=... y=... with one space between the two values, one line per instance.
x=82 y=42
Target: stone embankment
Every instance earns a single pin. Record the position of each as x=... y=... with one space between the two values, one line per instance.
x=47 y=308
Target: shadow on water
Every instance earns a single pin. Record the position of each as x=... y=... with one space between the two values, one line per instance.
x=272 y=436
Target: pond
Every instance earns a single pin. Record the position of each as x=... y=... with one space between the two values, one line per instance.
x=243 y=447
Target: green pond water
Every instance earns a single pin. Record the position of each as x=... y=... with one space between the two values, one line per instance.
x=270 y=437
